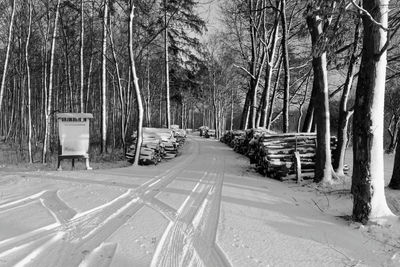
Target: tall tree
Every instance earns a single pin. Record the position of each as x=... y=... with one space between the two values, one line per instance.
x=166 y=62
x=10 y=32
x=368 y=166
x=81 y=57
x=285 y=54
x=49 y=97
x=28 y=77
x=345 y=113
x=104 y=81
x=395 y=180
x=139 y=102
x=318 y=24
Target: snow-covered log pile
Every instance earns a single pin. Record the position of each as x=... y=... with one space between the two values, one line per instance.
x=180 y=136
x=280 y=156
x=229 y=137
x=252 y=141
x=209 y=133
x=288 y=156
x=203 y=130
x=246 y=144
x=157 y=143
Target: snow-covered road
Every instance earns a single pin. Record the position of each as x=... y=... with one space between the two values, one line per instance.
x=204 y=208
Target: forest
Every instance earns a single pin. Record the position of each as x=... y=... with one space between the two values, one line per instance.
x=285 y=65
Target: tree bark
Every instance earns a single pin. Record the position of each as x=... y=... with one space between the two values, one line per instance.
x=10 y=32
x=285 y=54
x=81 y=57
x=395 y=180
x=28 y=75
x=139 y=102
x=344 y=113
x=46 y=141
x=323 y=164
x=368 y=173
x=122 y=96
x=167 y=93
x=104 y=82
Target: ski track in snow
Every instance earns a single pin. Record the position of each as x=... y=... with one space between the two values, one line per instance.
x=80 y=239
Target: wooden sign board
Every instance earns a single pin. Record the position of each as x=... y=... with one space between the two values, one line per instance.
x=74 y=136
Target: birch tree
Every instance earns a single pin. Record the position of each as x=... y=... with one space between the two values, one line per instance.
x=48 y=99
x=104 y=81
x=369 y=200
x=166 y=62
x=10 y=32
x=139 y=103
x=81 y=57
x=28 y=77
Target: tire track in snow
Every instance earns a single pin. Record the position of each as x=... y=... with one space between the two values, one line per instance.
x=190 y=239
x=75 y=240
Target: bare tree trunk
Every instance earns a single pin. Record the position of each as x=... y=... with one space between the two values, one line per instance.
x=82 y=46
x=302 y=104
x=137 y=90
x=271 y=52
x=268 y=117
x=285 y=54
x=10 y=32
x=344 y=113
x=309 y=119
x=148 y=98
x=168 y=104
x=104 y=82
x=231 y=125
x=323 y=164
x=89 y=81
x=368 y=173
x=46 y=141
x=28 y=74
x=395 y=124
x=122 y=96
x=395 y=180
x=246 y=111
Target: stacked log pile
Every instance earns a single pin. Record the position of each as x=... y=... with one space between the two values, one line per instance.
x=209 y=133
x=247 y=143
x=288 y=156
x=157 y=144
x=280 y=156
x=180 y=136
x=203 y=130
x=229 y=137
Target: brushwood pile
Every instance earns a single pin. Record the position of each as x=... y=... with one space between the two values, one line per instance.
x=158 y=144
x=279 y=156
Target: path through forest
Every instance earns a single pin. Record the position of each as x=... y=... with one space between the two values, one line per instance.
x=205 y=208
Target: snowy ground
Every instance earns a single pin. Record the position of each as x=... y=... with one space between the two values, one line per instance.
x=205 y=208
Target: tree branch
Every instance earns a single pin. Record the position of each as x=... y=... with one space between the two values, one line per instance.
x=365 y=12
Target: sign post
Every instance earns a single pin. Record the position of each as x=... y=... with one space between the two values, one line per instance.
x=73 y=131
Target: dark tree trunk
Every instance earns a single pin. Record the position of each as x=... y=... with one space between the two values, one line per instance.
x=323 y=164
x=368 y=172
x=395 y=180
x=344 y=113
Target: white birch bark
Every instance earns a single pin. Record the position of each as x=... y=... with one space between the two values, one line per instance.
x=46 y=140
x=10 y=32
x=104 y=82
x=139 y=103
x=28 y=74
